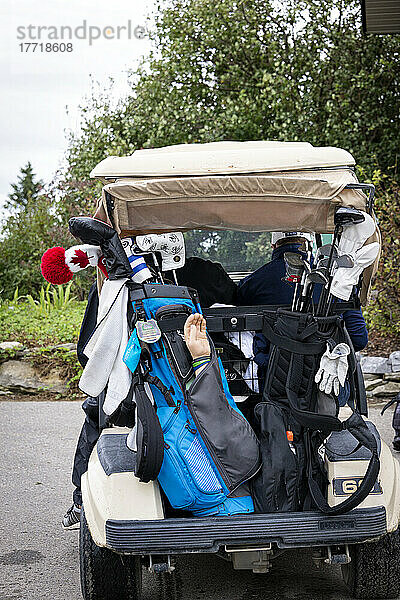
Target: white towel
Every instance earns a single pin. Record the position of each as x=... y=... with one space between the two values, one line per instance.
x=106 y=347
x=244 y=341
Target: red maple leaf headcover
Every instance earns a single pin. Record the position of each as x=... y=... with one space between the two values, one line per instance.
x=80 y=258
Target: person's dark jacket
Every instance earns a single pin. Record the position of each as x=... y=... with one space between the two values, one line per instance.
x=88 y=323
x=210 y=279
x=266 y=286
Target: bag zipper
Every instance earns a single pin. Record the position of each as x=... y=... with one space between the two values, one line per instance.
x=171 y=363
x=171 y=358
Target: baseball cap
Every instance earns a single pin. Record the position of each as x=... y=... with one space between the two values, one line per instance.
x=279 y=235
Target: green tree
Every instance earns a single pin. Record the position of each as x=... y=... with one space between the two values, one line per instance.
x=247 y=70
x=26 y=233
x=26 y=189
x=383 y=314
x=253 y=69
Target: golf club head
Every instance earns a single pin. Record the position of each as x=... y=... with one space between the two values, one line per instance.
x=345 y=261
x=318 y=276
x=345 y=216
x=324 y=251
x=293 y=259
x=294 y=267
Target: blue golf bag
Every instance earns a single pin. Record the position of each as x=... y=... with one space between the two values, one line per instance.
x=209 y=449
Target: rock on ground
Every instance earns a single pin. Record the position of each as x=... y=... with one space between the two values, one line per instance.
x=388 y=390
x=375 y=364
x=11 y=346
x=21 y=376
x=394 y=359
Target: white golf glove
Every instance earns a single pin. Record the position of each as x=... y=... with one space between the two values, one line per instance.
x=344 y=280
x=333 y=369
x=355 y=236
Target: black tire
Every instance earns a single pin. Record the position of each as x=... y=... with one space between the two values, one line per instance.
x=374 y=570
x=106 y=575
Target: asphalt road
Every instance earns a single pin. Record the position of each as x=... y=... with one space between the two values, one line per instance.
x=39 y=561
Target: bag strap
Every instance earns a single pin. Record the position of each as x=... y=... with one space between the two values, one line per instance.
x=292 y=345
x=358 y=428
x=150 y=437
x=156 y=381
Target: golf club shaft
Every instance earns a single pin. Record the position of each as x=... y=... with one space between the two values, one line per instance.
x=321 y=308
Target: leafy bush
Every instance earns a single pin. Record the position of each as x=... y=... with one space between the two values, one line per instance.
x=383 y=313
x=20 y=322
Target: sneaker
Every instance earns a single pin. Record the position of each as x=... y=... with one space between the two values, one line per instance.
x=72 y=519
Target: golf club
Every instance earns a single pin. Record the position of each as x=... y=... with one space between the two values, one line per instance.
x=294 y=271
x=319 y=276
x=301 y=296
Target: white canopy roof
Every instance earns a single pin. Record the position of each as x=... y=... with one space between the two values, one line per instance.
x=222 y=158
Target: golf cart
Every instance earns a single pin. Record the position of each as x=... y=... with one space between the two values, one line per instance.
x=128 y=525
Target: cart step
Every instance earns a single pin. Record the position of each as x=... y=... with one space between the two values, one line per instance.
x=287 y=530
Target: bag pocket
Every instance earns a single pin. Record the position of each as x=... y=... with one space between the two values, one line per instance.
x=177 y=353
x=173 y=480
x=172 y=477
x=276 y=487
x=230 y=440
x=197 y=462
x=187 y=476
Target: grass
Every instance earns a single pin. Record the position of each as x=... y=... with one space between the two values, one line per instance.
x=29 y=324
x=54 y=318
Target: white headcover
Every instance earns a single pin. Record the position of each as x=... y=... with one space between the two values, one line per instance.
x=355 y=236
x=352 y=242
x=345 y=279
x=170 y=245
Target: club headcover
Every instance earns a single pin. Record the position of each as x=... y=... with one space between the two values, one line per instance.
x=170 y=245
x=345 y=279
x=59 y=265
x=354 y=236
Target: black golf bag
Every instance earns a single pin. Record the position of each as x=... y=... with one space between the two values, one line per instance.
x=294 y=418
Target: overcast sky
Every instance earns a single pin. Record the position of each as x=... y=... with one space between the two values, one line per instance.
x=38 y=87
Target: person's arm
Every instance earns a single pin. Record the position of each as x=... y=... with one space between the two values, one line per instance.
x=261 y=350
x=357 y=329
x=197 y=342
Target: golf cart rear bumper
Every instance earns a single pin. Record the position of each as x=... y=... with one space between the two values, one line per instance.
x=287 y=530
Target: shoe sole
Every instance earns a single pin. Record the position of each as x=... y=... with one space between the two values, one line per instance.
x=71 y=527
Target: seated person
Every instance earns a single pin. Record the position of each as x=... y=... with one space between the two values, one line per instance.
x=267 y=286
